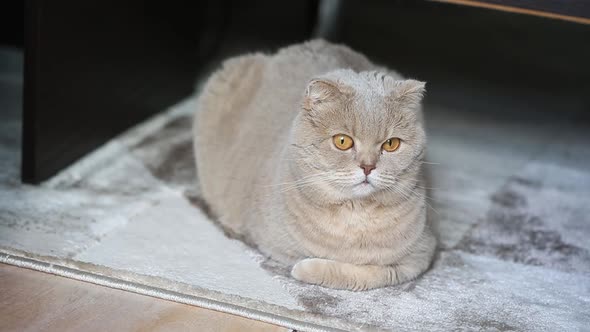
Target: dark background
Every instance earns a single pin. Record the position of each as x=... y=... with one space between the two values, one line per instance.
x=95 y=68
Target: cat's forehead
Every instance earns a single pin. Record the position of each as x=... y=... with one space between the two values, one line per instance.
x=372 y=84
x=372 y=115
x=368 y=109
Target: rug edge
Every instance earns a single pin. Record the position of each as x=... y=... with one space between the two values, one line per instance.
x=14 y=259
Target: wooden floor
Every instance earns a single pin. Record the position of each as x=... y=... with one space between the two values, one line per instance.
x=34 y=301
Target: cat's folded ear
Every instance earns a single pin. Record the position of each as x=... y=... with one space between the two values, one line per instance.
x=408 y=92
x=322 y=91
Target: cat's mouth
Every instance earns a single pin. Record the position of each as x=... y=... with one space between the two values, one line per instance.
x=363 y=188
x=364 y=183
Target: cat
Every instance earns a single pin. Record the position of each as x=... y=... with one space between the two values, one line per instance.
x=314 y=156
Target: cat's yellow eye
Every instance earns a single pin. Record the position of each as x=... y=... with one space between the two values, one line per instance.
x=391 y=144
x=342 y=142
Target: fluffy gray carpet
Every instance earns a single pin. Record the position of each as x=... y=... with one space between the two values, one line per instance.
x=510 y=198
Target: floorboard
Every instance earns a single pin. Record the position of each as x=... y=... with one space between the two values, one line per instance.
x=36 y=301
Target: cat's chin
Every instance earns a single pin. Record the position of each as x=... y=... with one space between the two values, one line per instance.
x=362 y=189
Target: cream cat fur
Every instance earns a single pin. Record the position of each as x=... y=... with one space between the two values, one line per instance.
x=269 y=169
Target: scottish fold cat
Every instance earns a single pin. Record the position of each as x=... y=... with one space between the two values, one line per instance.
x=314 y=155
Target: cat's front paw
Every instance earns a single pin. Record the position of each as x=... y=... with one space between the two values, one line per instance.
x=333 y=274
x=315 y=271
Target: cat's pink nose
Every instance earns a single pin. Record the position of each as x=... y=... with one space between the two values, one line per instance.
x=368 y=168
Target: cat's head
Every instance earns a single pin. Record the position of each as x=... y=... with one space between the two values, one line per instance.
x=358 y=134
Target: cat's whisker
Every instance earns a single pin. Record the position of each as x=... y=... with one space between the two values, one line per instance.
x=311 y=176
x=429 y=188
x=307 y=185
x=393 y=180
x=413 y=191
x=301 y=184
x=404 y=190
x=422 y=196
x=397 y=192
